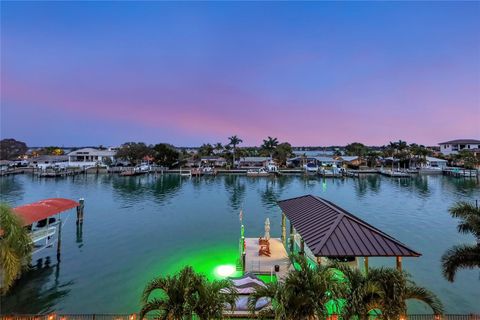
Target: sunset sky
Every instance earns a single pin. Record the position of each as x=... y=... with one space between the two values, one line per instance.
x=91 y=73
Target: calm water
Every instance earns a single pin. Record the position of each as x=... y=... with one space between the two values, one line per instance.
x=138 y=227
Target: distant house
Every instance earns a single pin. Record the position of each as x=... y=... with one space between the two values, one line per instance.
x=255 y=162
x=46 y=161
x=213 y=161
x=89 y=157
x=354 y=161
x=454 y=146
x=318 y=160
x=435 y=162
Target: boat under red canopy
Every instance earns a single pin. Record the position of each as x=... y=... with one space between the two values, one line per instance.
x=36 y=211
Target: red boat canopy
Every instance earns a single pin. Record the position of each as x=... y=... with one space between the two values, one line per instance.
x=33 y=212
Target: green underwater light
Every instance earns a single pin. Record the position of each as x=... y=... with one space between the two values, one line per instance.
x=225 y=270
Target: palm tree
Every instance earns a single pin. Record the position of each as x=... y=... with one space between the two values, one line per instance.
x=468 y=255
x=15 y=247
x=175 y=300
x=395 y=289
x=186 y=294
x=303 y=295
x=234 y=141
x=218 y=147
x=363 y=293
x=211 y=298
x=269 y=145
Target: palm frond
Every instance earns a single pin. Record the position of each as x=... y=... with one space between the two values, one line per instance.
x=424 y=295
x=463 y=209
x=462 y=256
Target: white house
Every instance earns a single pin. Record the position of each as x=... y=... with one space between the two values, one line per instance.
x=90 y=157
x=454 y=146
x=436 y=162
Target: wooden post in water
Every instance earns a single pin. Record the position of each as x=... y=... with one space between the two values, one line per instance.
x=59 y=239
x=399 y=263
x=80 y=210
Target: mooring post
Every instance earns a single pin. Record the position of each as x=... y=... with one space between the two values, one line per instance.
x=81 y=201
x=59 y=239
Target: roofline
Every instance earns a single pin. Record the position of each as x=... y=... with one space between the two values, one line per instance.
x=341 y=212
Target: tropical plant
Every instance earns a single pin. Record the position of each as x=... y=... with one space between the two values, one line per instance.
x=134 y=152
x=467 y=255
x=211 y=298
x=165 y=154
x=303 y=295
x=205 y=149
x=363 y=293
x=395 y=289
x=283 y=152
x=218 y=147
x=186 y=294
x=15 y=247
x=269 y=145
x=383 y=289
x=234 y=142
x=356 y=149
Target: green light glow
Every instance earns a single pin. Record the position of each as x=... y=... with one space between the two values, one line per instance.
x=225 y=270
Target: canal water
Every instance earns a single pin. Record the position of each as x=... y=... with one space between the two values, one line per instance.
x=137 y=228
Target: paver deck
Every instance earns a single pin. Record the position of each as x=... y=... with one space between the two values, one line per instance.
x=262 y=264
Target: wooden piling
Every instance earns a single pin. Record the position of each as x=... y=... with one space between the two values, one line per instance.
x=59 y=240
x=80 y=210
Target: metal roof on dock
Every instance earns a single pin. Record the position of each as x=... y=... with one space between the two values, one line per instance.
x=330 y=231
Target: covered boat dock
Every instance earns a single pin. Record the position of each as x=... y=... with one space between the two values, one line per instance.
x=325 y=231
x=45 y=230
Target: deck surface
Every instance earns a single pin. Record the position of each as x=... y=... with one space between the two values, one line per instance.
x=263 y=264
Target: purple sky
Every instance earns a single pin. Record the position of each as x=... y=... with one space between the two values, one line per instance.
x=90 y=73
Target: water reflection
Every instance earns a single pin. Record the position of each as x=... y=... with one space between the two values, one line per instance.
x=11 y=189
x=270 y=195
x=35 y=292
x=235 y=186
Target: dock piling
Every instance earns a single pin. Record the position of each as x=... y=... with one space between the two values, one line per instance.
x=80 y=210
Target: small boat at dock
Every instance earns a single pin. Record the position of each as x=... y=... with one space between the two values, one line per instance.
x=262 y=172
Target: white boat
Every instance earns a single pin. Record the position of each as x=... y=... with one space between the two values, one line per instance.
x=430 y=170
x=258 y=173
x=310 y=168
x=272 y=167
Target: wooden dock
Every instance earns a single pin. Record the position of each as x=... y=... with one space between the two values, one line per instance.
x=460 y=172
x=266 y=265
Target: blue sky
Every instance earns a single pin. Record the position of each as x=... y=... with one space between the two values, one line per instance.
x=312 y=73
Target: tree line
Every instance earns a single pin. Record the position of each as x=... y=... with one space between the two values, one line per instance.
x=168 y=155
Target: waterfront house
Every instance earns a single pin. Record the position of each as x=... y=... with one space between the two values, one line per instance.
x=352 y=161
x=49 y=161
x=253 y=162
x=213 y=161
x=317 y=160
x=90 y=157
x=435 y=162
x=454 y=146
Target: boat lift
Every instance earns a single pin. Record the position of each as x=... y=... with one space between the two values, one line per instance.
x=45 y=229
